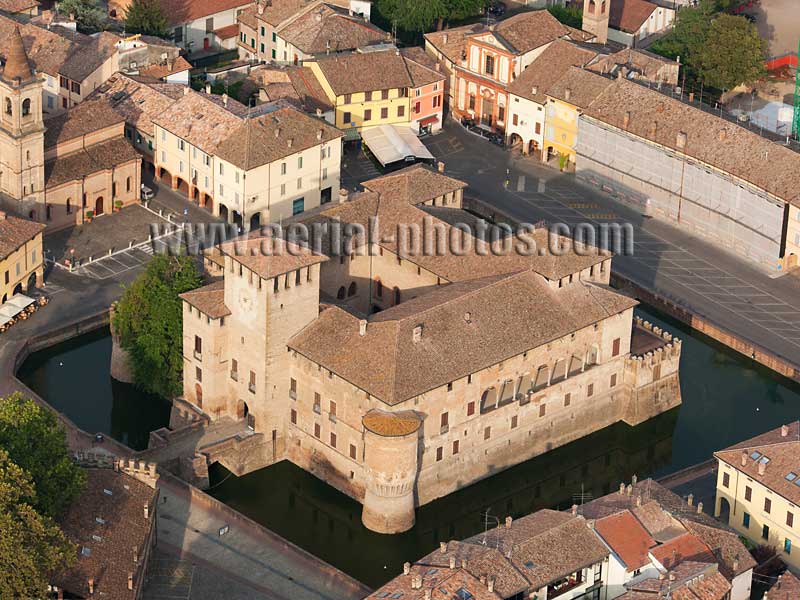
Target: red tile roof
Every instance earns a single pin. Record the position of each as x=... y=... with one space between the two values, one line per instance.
x=185 y=11
x=629 y=15
x=684 y=547
x=14 y=232
x=627 y=538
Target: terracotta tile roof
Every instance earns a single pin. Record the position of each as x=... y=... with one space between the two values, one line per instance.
x=646 y=65
x=137 y=102
x=269 y=256
x=262 y=140
x=247 y=17
x=441 y=583
x=309 y=90
x=508 y=315
x=277 y=12
x=14 y=232
x=551 y=65
x=90 y=55
x=580 y=85
x=415 y=184
x=185 y=11
x=83 y=119
x=629 y=15
x=162 y=71
x=16 y=64
x=681 y=548
x=209 y=299
x=452 y=43
x=117 y=519
x=200 y=119
x=529 y=30
x=421 y=74
x=227 y=32
x=91 y=159
x=627 y=538
x=330 y=28
x=389 y=424
x=49 y=51
x=710 y=139
x=361 y=72
x=17 y=6
x=688 y=581
x=787 y=587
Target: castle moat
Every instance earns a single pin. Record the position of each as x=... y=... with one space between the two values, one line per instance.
x=726 y=398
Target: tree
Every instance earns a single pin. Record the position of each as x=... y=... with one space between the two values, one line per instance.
x=568 y=15
x=32 y=547
x=36 y=442
x=733 y=53
x=149 y=322
x=147 y=17
x=689 y=34
x=87 y=14
x=419 y=16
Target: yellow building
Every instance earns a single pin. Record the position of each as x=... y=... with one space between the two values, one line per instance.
x=366 y=88
x=21 y=255
x=758 y=490
x=565 y=100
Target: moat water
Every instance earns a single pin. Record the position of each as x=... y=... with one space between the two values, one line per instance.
x=726 y=398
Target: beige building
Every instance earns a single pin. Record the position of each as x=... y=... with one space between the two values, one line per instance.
x=21 y=256
x=66 y=169
x=248 y=167
x=758 y=490
x=399 y=368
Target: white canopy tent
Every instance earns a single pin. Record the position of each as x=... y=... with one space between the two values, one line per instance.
x=13 y=307
x=393 y=143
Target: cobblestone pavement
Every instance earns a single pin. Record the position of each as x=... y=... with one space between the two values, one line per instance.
x=692 y=272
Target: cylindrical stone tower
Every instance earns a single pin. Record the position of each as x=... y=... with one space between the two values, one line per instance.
x=390 y=457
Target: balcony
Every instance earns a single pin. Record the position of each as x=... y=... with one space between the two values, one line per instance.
x=563 y=586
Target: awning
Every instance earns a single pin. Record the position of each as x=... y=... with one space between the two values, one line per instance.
x=13 y=307
x=429 y=121
x=351 y=135
x=391 y=144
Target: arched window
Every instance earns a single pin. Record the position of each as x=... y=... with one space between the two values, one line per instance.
x=488 y=400
x=559 y=371
x=592 y=6
x=396 y=295
x=351 y=291
x=340 y=293
x=378 y=288
x=8 y=106
x=26 y=107
x=592 y=357
x=542 y=378
x=575 y=365
x=603 y=7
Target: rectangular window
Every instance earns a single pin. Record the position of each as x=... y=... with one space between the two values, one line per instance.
x=324 y=173
x=385 y=113
x=198 y=347
x=293 y=388
x=401 y=112
x=567 y=399
x=514 y=422
x=489 y=66
x=317 y=403
x=455 y=447
x=299 y=162
x=198 y=374
x=787 y=546
x=274 y=36
x=471 y=102
x=234 y=369
x=439 y=453
x=538 y=128
x=64 y=82
x=332 y=410
x=515 y=119
x=590 y=389
x=746 y=520
x=283 y=189
x=501 y=113
x=487 y=433
x=613 y=381
x=789 y=519
x=542 y=409
x=748 y=493
x=368 y=114
x=615 y=347
x=209 y=24
x=765 y=532
x=298 y=206
x=352 y=451
x=252 y=385
x=333 y=440
x=726 y=480
x=767 y=505
x=348 y=98
x=347 y=119
x=317 y=430
x=417 y=107
x=293 y=414
x=299 y=183
x=470 y=409
x=444 y=420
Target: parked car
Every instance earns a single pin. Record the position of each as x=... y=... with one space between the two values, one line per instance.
x=147 y=193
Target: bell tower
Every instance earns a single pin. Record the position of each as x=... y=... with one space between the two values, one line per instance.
x=595 y=18
x=21 y=130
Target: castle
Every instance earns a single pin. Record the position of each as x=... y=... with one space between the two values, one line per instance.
x=398 y=374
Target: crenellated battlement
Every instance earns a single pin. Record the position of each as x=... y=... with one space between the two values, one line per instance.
x=138 y=469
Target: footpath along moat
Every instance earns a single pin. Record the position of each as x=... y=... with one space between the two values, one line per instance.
x=726 y=398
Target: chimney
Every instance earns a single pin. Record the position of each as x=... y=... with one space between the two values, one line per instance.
x=260 y=8
x=634 y=479
x=130 y=580
x=146 y=512
x=428 y=594
x=722 y=135
x=343 y=194
x=653 y=129
x=452 y=562
x=574 y=510
x=319 y=134
x=416 y=582
x=699 y=508
x=442 y=547
x=60 y=594
x=444 y=38
x=784 y=428
x=289 y=142
x=406 y=568
x=672 y=576
x=621 y=489
x=91 y=586
x=362 y=327
x=438 y=67
x=2 y=215
x=277 y=132
x=535 y=90
x=208 y=88
x=626 y=120
x=680 y=142
x=186 y=91
x=440 y=166
x=629 y=490
x=639 y=500
x=225 y=100
x=490 y=584
x=735 y=565
x=567 y=94
x=761 y=467
x=690 y=499
x=744 y=459
x=464 y=563
x=135 y=555
x=508 y=522
x=417 y=335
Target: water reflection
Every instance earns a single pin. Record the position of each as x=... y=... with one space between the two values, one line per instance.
x=74 y=378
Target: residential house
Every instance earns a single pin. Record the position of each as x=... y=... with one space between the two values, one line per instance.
x=448 y=48
x=318 y=31
x=758 y=490
x=203 y=26
x=575 y=89
x=21 y=256
x=55 y=171
x=152 y=57
x=628 y=22
x=787 y=587
x=688 y=581
x=428 y=91
x=629 y=544
x=495 y=57
x=294 y=84
x=20 y=8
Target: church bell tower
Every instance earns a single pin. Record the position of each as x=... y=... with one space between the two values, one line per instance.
x=595 y=18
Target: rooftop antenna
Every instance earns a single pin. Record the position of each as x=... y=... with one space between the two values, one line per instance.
x=486 y=517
